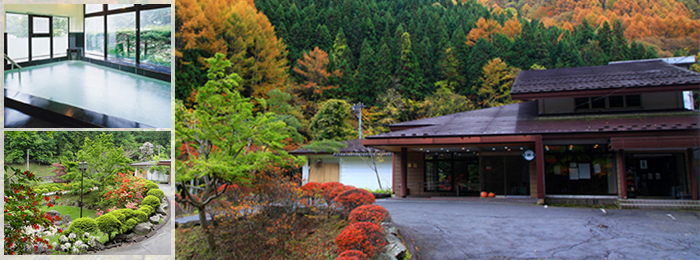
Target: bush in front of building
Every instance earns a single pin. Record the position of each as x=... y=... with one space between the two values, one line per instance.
x=329 y=190
x=157 y=193
x=311 y=189
x=363 y=236
x=352 y=255
x=369 y=213
x=353 y=198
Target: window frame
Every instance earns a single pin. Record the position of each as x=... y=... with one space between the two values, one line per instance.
x=586 y=103
x=31 y=35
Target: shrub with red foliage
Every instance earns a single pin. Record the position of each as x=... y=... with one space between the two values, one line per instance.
x=353 y=198
x=363 y=236
x=369 y=213
x=328 y=190
x=311 y=189
x=352 y=254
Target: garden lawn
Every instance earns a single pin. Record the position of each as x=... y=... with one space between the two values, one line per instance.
x=74 y=212
x=37 y=169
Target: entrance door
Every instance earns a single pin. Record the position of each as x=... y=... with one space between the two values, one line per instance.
x=656 y=175
x=324 y=172
x=506 y=174
x=466 y=175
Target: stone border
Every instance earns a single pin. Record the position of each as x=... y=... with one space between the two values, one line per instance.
x=138 y=239
x=409 y=243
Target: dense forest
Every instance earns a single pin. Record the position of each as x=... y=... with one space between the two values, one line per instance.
x=411 y=59
x=52 y=147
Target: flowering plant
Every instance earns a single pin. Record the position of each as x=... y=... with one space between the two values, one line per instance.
x=75 y=243
x=24 y=221
x=126 y=189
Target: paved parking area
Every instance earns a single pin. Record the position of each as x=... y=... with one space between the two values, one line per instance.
x=488 y=230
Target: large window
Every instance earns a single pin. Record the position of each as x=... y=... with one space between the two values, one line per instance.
x=60 y=36
x=155 y=37
x=607 y=102
x=94 y=36
x=17 y=29
x=137 y=34
x=36 y=37
x=580 y=170
x=121 y=36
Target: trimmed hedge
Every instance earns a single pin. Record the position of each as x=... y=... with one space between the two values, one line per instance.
x=118 y=215
x=369 y=213
x=128 y=213
x=148 y=209
x=152 y=201
x=131 y=223
x=140 y=216
x=354 y=198
x=364 y=236
x=150 y=185
x=82 y=225
x=352 y=254
x=157 y=193
x=108 y=223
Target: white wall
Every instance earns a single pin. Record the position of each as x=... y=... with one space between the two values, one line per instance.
x=73 y=11
x=354 y=171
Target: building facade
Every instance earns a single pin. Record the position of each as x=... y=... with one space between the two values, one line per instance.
x=619 y=131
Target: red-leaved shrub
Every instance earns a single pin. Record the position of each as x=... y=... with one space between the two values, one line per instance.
x=311 y=189
x=364 y=236
x=353 y=198
x=352 y=254
x=369 y=213
x=329 y=189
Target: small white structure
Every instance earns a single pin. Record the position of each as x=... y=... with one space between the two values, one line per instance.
x=144 y=171
x=348 y=167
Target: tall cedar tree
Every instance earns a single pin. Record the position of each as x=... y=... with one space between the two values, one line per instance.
x=237 y=29
x=408 y=72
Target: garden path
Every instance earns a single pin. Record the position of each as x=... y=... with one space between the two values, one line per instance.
x=160 y=244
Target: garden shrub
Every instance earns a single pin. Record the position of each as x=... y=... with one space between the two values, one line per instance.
x=364 y=236
x=118 y=215
x=128 y=213
x=82 y=225
x=353 y=198
x=352 y=254
x=148 y=209
x=150 y=185
x=152 y=201
x=131 y=223
x=328 y=188
x=311 y=189
x=108 y=223
x=369 y=213
x=157 y=193
x=140 y=215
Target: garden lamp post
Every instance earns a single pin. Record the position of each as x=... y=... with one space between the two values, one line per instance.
x=82 y=167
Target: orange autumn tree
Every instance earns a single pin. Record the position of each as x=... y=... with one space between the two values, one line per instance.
x=484 y=29
x=313 y=67
x=237 y=29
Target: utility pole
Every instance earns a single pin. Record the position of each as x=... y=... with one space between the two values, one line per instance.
x=357 y=108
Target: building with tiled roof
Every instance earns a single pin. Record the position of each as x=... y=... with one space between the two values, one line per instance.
x=602 y=133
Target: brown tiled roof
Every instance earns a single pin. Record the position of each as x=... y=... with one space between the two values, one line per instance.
x=522 y=119
x=640 y=74
x=353 y=146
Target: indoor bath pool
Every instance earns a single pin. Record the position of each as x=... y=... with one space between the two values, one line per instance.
x=96 y=90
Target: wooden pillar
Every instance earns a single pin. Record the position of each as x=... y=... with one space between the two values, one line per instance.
x=539 y=166
x=622 y=173
x=692 y=175
x=404 y=172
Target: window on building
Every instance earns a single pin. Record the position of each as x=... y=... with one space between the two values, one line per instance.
x=93 y=8
x=580 y=170
x=121 y=36
x=607 y=102
x=60 y=36
x=17 y=29
x=155 y=36
x=94 y=36
x=438 y=172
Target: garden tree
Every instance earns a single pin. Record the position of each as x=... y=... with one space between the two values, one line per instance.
x=237 y=29
x=392 y=108
x=333 y=122
x=42 y=147
x=495 y=84
x=445 y=102
x=224 y=140
x=279 y=104
x=313 y=67
x=104 y=161
x=408 y=72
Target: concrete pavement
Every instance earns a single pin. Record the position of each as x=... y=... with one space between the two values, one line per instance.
x=480 y=230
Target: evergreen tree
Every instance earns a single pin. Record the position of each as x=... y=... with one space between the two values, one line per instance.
x=408 y=73
x=619 y=50
x=365 y=84
x=323 y=38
